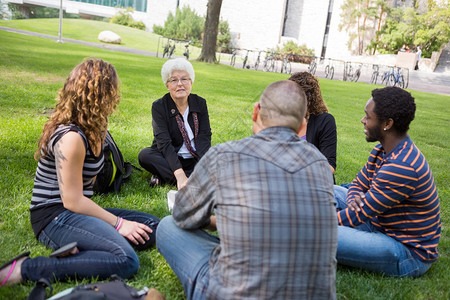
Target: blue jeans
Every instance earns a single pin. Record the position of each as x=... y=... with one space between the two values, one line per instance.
x=103 y=251
x=187 y=252
x=367 y=248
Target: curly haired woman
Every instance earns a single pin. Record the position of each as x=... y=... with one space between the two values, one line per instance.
x=321 y=129
x=70 y=156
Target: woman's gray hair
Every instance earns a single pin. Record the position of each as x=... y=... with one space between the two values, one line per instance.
x=177 y=64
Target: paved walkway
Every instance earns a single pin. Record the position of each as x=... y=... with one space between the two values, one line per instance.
x=438 y=83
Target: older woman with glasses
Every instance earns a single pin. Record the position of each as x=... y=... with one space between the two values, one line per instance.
x=181 y=129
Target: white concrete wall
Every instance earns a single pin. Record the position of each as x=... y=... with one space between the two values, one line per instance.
x=253 y=24
x=337 y=40
x=312 y=26
x=257 y=24
x=294 y=19
x=157 y=12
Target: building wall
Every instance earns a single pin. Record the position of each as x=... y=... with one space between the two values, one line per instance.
x=312 y=27
x=258 y=24
x=253 y=24
x=157 y=12
x=337 y=40
x=293 y=18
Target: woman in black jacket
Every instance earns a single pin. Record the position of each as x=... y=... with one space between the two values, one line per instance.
x=321 y=129
x=181 y=129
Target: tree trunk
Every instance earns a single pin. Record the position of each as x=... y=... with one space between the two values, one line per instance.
x=210 y=32
x=378 y=30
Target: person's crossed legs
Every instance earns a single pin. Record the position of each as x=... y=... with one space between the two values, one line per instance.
x=367 y=248
x=187 y=252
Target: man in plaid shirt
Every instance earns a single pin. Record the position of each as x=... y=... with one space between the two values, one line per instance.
x=270 y=196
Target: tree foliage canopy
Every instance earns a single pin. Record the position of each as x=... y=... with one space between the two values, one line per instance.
x=376 y=25
x=406 y=26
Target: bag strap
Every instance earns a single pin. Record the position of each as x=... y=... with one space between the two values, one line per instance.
x=184 y=134
x=39 y=292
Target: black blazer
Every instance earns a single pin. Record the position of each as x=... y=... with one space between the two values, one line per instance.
x=167 y=136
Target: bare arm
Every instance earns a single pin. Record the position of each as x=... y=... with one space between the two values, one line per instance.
x=69 y=157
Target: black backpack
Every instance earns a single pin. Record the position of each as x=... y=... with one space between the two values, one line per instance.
x=116 y=289
x=114 y=171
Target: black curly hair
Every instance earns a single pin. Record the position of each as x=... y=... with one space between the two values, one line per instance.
x=396 y=104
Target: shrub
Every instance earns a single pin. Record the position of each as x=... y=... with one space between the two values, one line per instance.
x=185 y=25
x=299 y=53
x=293 y=48
x=123 y=17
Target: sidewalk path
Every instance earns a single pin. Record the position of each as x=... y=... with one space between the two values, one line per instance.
x=438 y=83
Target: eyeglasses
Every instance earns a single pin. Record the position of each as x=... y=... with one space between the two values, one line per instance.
x=174 y=81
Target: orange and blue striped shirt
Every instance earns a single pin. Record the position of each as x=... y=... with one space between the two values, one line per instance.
x=401 y=199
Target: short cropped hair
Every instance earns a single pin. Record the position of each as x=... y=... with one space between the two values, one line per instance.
x=283 y=103
x=177 y=64
x=396 y=104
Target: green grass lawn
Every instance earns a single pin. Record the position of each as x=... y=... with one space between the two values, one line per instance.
x=32 y=70
x=88 y=30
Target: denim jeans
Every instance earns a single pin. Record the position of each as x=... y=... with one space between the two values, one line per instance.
x=187 y=252
x=103 y=251
x=367 y=248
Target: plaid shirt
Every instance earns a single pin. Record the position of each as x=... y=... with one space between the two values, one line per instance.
x=272 y=195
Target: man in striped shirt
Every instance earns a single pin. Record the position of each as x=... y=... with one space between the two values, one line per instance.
x=390 y=215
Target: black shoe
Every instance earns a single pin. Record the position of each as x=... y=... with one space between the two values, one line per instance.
x=154 y=181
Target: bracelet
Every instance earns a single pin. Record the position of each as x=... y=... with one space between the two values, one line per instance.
x=117 y=222
x=120 y=224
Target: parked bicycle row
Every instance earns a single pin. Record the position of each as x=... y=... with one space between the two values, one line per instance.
x=351 y=71
x=390 y=75
x=271 y=61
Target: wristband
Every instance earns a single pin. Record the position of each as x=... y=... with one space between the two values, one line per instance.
x=120 y=224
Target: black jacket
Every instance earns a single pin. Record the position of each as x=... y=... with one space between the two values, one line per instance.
x=321 y=132
x=167 y=136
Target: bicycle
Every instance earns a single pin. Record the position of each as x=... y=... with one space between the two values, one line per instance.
x=245 y=60
x=286 y=64
x=386 y=74
x=269 y=63
x=167 y=49
x=396 y=78
x=374 y=78
x=353 y=75
x=186 y=50
x=233 y=58
x=257 y=61
x=312 y=66
x=172 y=49
x=329 y=69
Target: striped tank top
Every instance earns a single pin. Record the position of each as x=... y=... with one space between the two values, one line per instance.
x=46 y=201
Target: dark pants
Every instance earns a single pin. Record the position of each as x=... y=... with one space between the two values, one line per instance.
x=153 y=161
